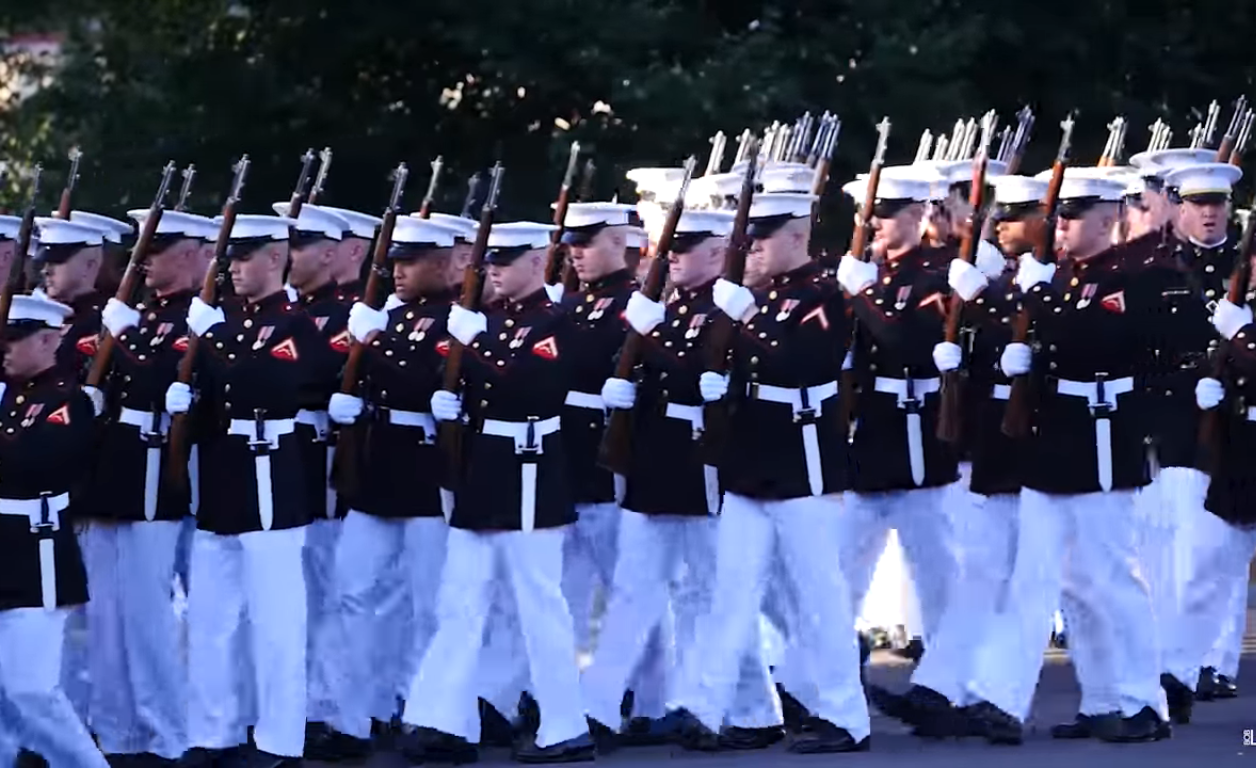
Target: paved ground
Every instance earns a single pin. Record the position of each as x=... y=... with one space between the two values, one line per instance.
x=1214 y=738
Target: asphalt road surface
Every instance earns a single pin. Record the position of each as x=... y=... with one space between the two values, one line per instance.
x=1214 y=738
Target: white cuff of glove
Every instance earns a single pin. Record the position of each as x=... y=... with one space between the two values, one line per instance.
x=1033 y=272
x=1230 y=318
x=619 y=393
x=555 y=292
x=446 y=406
x=734 y=300
x=965 y=279
x=392 y=302
x=344 y=409
x=989 y=259
x=1209 y=393
x=97 y=397
x=947 y=356
x=1016 y=359
x=713 y=386
x=202 y=317
x=465 y=325
x=118 y=317
x=855 y=275
x=178 y=398
x=363 y=321
x=642 y=314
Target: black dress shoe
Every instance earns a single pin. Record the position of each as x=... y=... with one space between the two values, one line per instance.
x=865 y=649
x=927 y=711
x=428 y=745
x=993 y=724
x=823 y=738
x=692 y=735
x=495 y=729
x=143 y=760
x=913 y=651
x=29 y=759
x=581 y=749
x=1144 y=726
x=792 y=710
x=199 y=757
x=1181 y=699
x=645 y=732
x=1226 y=688
x=1080 y=728
x=256 y=758
x=626 y=704
x=327 y=745
x=529 y=716
x=1206 y=685
x=737 y=739
x=605 y=738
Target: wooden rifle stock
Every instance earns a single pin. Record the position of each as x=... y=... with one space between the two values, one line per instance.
x=1020 y=400
x=131 y=277
x=450 y=433
x=15 y=281
x=1212 y=425
x=555 y=255
x=719 y=342
x=950 y=427
x=846 y=396
x=178 y=455
x=615 y=453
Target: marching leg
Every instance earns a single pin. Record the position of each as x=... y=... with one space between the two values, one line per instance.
x=215 y=610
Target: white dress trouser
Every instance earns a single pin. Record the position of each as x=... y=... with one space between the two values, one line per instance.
x=255 y=583
x=806 y=531
x=651 y=550
x=444 y=693
x=323 y=646
x=1221 y=555
x=924 y=530
x=1094 y=533
x=1172 y=505
x=36 y=713
x=1228 y=650
x=370 y=548
x=138 y=680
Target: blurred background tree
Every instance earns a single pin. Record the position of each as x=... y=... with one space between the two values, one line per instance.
x=638 y=82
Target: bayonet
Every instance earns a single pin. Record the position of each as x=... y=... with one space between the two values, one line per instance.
x=400 y=175
x=432 y=185
x=185 y=191
x=1210 y=124
x=926 y=144
x=320 y=179
x=716 y=161
x=586 y=181
x=473 y=188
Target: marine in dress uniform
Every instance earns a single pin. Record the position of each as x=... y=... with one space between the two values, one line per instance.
x=1095 y=323
x=45 y=445
x=314 y=246
x=258 y=363
x=135 y=659
x=671 y=496
x=393 y=525
x=69 y=256
x=782 y=469
x=353 y=253
x=513 y=503
x=1204 y=261
x=595 y=235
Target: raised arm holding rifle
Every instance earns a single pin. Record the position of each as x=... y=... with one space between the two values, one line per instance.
x=555 y=254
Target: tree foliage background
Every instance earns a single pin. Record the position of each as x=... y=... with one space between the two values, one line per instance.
x=637 y=82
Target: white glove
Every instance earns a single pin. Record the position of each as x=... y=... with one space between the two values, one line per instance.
x=855 y=275
x=118 y=317
x=947 y=356
x=392 y=302
x=642 y=314
x=555 y=292
x=97 y=397
x=344 y=409
x=619 y=393
x=1229 y=318
x=178 y=398
x=1032 y=272
x=734 y=300
x=965 y=279
x=1016 y=359
x=989 y=259
x=446 y=406
x=464 y=325
x=202 y=317
x=848 y=362
x=1208 y=394
x=363 y=321
x=713 y=386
